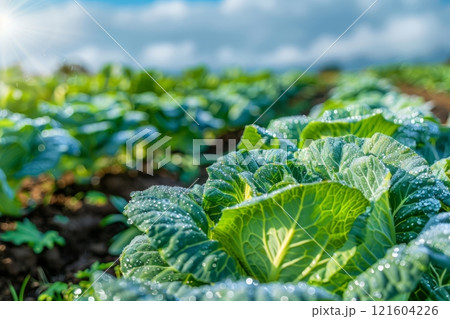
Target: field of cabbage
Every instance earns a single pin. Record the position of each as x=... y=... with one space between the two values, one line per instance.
x=340 y=191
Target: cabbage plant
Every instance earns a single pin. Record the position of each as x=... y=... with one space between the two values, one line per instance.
x=343 y=218
x=348 y=203
x=360 y=106
x=29 y=147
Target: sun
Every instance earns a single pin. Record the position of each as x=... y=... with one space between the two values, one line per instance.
x=24 y=39
x=7 y=25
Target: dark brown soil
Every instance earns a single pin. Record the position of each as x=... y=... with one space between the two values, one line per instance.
x=86 y=241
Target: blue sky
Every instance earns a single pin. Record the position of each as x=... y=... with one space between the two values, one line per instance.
x=174 y=34
x=143 y=2
x=140 y=2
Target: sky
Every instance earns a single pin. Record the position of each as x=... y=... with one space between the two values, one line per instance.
x=171 y=35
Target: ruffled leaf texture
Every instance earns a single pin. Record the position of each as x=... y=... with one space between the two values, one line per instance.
x=344 y=217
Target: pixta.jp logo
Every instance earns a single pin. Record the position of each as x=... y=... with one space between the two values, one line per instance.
x=145 y=151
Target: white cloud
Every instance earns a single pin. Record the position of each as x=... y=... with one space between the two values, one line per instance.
x=169 y=55
x=152 y=14
x=285 y=55
x=251 y=33
x=92 y=56
x=413 y=36
x=234 y=6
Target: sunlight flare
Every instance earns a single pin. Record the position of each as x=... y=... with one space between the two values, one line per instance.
x=7 y=25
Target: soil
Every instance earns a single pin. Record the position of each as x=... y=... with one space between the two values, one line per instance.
x=86 y=241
